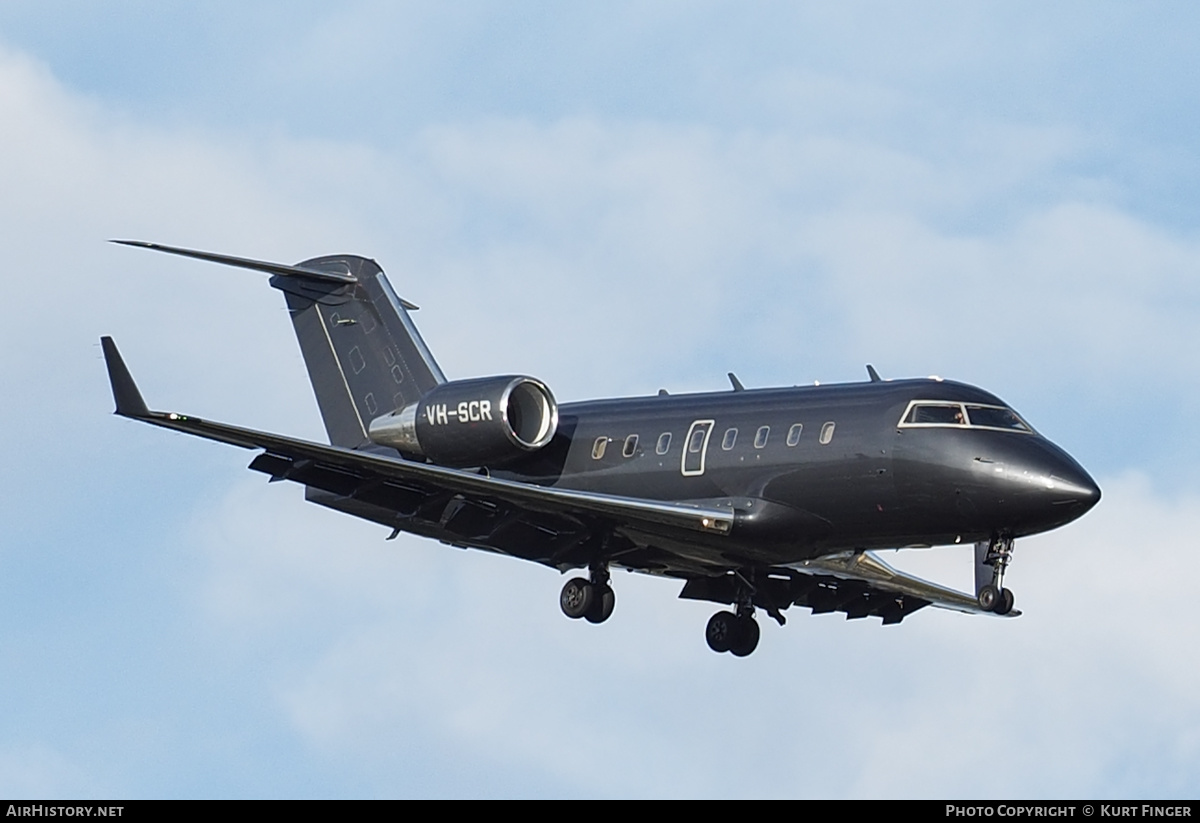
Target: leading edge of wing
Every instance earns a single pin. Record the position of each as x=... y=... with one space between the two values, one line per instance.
x=869 y=568
x=129 y=404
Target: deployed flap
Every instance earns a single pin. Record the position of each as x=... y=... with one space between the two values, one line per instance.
x=781 y=589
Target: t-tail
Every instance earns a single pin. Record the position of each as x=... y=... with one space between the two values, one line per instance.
x=364 y=355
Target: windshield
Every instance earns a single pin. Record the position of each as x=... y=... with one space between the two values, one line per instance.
x=970 y=415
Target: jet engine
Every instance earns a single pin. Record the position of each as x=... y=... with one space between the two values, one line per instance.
x=486 y=421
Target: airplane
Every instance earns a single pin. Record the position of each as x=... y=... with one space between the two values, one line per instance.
x=755 y=499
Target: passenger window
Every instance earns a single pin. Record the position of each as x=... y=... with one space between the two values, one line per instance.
x=826 y=433
x=697 y=441
x=630 y=448
x=729 y=439
x=794 y=434
x=598 y=447
x=760 y=436
x=664 y=443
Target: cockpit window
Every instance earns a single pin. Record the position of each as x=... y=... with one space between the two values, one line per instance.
x=975 y=415
x=995 y=417
x=937 y=414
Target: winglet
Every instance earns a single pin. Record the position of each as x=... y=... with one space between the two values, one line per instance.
x=125 y=391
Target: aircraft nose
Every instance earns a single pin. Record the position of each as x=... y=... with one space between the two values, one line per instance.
x=1029 y=485
x=1072 y=486
x=1055 y=486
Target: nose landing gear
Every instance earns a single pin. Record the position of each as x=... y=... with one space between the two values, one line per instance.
x=991 y=561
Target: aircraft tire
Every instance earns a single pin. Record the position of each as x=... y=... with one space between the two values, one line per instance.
x=1004 y=604
x=722 y=631
x=603 y=603
x=577 y=598
x=989 y=598
x=747 y=640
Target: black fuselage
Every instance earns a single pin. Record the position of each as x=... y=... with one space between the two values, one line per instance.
x=816 y=469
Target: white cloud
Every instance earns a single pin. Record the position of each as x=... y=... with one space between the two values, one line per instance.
x=36 y=770
x=421 y=645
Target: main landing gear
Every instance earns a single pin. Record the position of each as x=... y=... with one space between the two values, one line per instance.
x=734 y=633
x=993 y=597
x=592 y=599
x=737 y=631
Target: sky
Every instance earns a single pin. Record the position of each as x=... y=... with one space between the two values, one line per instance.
x=614 y=198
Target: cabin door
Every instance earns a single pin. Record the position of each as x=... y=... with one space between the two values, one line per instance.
x=695 y=446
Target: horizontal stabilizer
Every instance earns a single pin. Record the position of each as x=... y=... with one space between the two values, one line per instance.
x=334 y=274
x=125 y=392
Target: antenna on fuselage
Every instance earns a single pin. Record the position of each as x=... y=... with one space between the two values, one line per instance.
x=737 y=384
x=874 y=375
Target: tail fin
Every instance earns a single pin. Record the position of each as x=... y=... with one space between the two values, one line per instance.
x=364 y=356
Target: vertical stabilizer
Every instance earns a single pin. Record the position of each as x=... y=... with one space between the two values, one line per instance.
x=364 y=355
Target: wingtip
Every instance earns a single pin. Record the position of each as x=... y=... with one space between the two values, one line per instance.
x=125 y=392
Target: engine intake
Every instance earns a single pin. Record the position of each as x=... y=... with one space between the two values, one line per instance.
x=486 y=421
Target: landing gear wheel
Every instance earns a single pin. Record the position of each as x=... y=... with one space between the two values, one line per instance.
x=747 y=639
x=577 y=598
x=722 y=631
x=1005 y=604
x=603 y=602
x=989 y=598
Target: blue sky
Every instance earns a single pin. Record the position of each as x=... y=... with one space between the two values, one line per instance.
x=612 y=199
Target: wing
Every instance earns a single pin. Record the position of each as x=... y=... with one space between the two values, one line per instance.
x=542 y=523
x=562 y=528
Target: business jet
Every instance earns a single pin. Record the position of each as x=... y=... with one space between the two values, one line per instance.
x=757 y=499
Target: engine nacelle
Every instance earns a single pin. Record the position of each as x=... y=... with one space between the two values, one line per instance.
x=486 y=421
